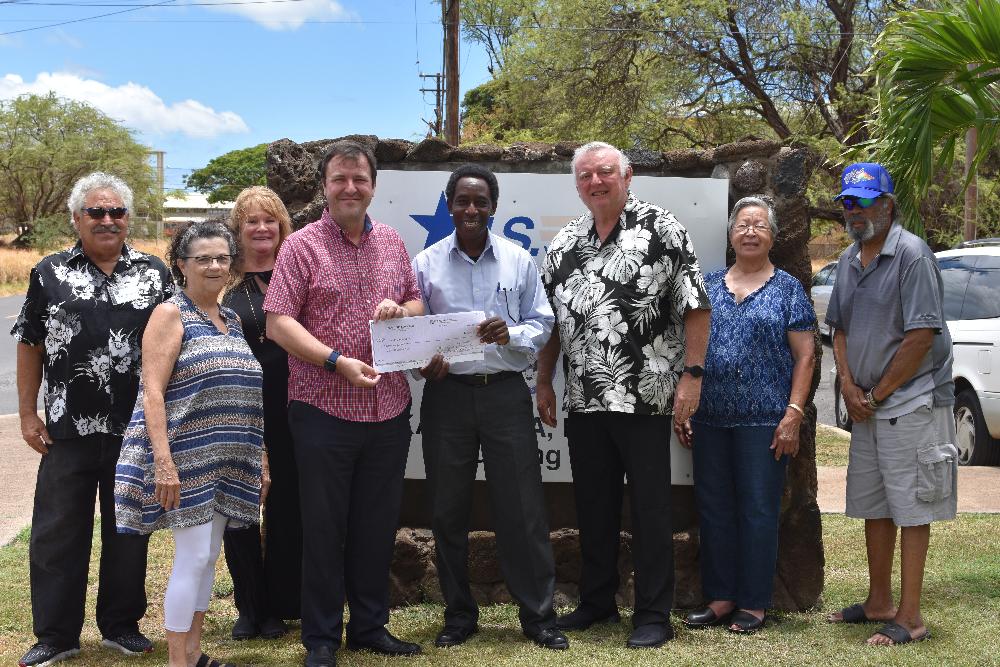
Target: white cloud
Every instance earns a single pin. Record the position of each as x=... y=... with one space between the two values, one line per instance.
x=136 y=106
x=289 y=14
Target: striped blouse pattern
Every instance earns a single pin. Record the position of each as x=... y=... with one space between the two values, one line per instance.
x=214 y=427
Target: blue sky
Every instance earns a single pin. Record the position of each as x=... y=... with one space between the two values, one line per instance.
x=197 y=81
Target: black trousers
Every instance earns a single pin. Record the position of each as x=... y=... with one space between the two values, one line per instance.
x=455 y=420
x=350 y=484
x=604 y=447
x=62 y=524
x=267 y=583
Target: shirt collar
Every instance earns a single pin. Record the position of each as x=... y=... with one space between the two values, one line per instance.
x=631 y=201
x=890 y=244
x=328 y=219
x=128 y=257
x=454 y=249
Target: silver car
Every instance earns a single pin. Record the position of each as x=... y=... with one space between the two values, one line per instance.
x=822 y=285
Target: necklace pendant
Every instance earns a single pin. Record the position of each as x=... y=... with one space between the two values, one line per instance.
x=261 y=338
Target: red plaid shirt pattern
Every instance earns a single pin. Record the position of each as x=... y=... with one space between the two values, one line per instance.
x=332 y=286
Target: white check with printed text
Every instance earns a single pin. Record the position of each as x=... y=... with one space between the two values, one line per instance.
x=411 y=342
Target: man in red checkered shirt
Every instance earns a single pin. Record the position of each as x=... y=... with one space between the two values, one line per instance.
x=351 y=425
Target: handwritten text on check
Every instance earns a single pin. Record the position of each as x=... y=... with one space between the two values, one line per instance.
x=410 y=342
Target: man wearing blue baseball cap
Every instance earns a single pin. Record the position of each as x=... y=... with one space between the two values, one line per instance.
x=893 y=354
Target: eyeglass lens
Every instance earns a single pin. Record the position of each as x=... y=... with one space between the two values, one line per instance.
x=206 y=260
x=861 y=202
x=98 y=212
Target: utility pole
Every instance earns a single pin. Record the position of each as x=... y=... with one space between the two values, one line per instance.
x=451 y=38
x=438 y=90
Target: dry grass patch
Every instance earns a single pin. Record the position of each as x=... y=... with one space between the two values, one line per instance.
x=16 y=263
x=832 y=445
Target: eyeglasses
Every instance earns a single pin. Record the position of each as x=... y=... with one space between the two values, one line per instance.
x=206 y=260
x=860 y=202
x=98 y=212
x=759 y=228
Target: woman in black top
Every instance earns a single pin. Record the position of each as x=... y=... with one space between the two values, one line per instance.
x=266 y=585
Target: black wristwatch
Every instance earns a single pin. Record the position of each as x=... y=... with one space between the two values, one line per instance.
x=331 y=362
x=694 y=371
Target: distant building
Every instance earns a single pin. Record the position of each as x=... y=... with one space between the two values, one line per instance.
x=192 y=206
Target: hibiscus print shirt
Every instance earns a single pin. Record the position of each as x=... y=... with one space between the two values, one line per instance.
x=90 y=328
x=620 y=309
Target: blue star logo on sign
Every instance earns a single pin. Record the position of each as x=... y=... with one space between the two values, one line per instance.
x=439 y=225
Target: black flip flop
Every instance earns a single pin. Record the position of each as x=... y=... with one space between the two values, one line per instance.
x=900 y=635
x=205 y=661
x=855 y=614
x=746 y=622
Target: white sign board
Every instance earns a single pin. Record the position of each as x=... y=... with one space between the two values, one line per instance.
x=532 y=208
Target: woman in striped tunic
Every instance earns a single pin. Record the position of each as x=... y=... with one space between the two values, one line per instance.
x=192 y=458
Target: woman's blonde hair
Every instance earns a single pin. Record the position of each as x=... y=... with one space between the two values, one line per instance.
x=268 y=201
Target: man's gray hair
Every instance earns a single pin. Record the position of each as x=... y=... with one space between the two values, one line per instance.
x=754 y=200
x=98 y=181
x=595 y=146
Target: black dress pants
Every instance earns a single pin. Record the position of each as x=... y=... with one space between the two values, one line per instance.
x=456 y=419
x=269 y=584
x=62 y=524
x=350 y=484
x=604 y=447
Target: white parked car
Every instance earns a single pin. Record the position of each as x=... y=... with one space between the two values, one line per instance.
x=971 y=277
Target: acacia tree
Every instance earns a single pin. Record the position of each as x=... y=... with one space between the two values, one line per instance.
x=47 y=143
x=224 y=177
x=666 y=72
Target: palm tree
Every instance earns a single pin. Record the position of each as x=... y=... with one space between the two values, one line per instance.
x=937 y=77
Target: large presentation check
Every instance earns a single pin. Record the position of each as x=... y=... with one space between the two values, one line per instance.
x=411 y=342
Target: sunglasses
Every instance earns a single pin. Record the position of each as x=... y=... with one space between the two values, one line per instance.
x=98 y=212
x=860 y=202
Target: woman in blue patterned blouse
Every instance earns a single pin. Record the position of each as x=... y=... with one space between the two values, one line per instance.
x=193 y=459
x=757 y=375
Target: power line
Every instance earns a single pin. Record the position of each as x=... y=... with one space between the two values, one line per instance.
x=87 y=18
x=22 y=3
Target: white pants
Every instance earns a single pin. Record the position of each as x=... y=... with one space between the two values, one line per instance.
x=189 y=590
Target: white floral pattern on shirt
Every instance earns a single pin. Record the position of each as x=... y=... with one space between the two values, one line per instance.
x=620 y=308
x=89 y=326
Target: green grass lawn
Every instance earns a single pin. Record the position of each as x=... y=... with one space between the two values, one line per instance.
x=961 y=603
x=831 y=446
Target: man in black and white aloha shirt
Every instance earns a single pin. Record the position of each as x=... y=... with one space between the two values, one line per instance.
x=632 y=319
x=78 y=336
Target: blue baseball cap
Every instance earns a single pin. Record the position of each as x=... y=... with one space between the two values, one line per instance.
x=865 y=179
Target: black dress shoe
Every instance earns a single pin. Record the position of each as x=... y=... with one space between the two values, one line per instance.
x=321 y=656
x=385 y=645
x=705 y=618
x=273 y=628
x=453 y=635
x=245 y=628
x=552 y=638
x=650 y=635
x=745 y=622
x=582 y=618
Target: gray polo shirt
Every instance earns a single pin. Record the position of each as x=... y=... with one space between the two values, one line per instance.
x=899 y=290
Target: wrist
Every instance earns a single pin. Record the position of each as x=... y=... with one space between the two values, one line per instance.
x=332 y=361
x=795 y=410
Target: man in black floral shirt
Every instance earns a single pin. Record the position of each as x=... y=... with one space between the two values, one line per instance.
x=79 y=335
x=632 y=319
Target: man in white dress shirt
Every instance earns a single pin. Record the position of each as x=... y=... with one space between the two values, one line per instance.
x=486 y=403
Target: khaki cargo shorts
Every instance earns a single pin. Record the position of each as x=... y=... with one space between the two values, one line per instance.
x=904 y=469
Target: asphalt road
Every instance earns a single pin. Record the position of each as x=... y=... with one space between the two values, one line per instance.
x=10 y=306
x=824 y=393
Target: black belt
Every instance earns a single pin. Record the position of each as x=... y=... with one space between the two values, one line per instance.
x=483 y=379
